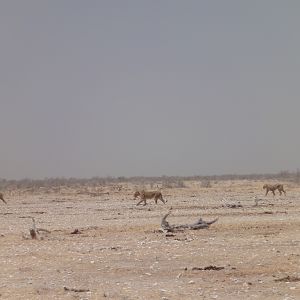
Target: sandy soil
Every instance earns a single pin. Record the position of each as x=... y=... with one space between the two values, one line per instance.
x=120 y=252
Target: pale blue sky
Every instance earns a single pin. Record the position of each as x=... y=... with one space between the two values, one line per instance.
x=125 y=88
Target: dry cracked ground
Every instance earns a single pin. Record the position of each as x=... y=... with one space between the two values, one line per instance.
x=119 y=252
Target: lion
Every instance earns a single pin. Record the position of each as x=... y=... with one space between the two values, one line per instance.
x=149 y=195
x=2 y=198
x=273 y=188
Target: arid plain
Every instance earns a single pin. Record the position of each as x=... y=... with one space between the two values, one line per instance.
x=100 y=245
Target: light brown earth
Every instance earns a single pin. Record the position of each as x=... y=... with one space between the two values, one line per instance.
x=121 y=254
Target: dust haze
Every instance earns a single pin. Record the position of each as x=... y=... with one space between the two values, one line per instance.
x=137 y=88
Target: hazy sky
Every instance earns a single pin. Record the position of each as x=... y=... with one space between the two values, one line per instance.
x=125 y=88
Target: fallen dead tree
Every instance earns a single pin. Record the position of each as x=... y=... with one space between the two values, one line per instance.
x=200 y=224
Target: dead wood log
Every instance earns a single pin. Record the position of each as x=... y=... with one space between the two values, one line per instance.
x=200 y=224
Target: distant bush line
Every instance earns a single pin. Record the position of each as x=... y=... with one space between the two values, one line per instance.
x=167 y=181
